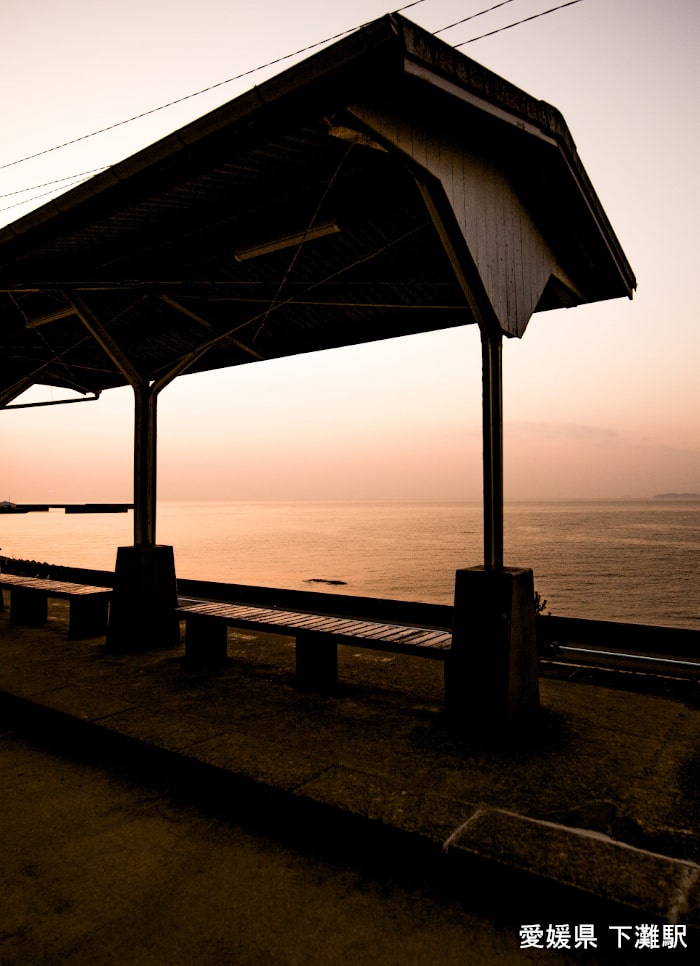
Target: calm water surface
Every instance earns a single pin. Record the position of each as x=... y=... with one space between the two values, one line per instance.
x=622 y=560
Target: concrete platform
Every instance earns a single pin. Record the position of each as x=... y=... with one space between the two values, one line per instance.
x=597 y=803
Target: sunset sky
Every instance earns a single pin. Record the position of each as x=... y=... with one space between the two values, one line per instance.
x=601 y=401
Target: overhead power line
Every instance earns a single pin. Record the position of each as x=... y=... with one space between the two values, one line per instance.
x=517 y=23
x=253 y=70
x=72 y=182
x=46 y=184
x=473 y=16
x=179 y=100
x=187 y=97
x=407 y=6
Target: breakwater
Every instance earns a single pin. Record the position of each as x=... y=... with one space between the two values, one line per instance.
x=66 y=507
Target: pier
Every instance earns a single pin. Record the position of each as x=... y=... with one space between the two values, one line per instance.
x=7 y=507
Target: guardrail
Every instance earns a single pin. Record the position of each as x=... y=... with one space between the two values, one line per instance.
x=646 y=639
x=552 y=631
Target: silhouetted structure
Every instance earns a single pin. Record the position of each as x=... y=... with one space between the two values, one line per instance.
x=387 y=185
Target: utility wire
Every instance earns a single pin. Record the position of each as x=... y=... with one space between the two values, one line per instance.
x=253 y=70
x=187 y=97
x=517 y=23
x=179 y=100
x=74 y=181
x=473 y=16
x=46 y=184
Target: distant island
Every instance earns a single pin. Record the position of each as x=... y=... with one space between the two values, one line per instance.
x=677 y=496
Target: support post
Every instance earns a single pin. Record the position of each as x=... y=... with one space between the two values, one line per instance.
x=142 y=613
x=492 y=376
x=145 y=464
x=491 y=678
x=491 y=670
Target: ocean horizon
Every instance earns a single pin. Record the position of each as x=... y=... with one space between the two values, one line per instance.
x=628 y=560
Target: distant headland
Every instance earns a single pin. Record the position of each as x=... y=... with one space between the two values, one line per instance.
x=677 y=496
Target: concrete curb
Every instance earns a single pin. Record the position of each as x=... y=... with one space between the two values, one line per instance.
x=464 y=841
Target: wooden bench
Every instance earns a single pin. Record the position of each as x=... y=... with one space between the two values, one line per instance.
x=88 y=608
x=317 y=637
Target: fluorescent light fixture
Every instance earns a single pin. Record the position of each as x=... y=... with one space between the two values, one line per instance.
x=287 y=241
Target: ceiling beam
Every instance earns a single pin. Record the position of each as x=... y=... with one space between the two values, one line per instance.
x=208 y=325
x=56 y=316
x=153 y=287
x=106 y=342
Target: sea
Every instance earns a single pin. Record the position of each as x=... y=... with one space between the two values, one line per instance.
x=626 y=560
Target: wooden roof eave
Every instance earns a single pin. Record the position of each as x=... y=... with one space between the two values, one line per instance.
x=395 y=48
x=323 y=72
x=506 y=104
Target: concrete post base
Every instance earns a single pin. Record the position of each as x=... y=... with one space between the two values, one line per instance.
x=145 y=593
x=491 y=677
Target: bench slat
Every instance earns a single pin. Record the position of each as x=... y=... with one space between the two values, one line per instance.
x=398 y=638
x=274 y=618
x=88 y=605
x=55 y=588
x=295 y=619
x=389 y=634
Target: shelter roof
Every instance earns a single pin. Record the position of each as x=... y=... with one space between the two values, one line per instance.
x=307 y=214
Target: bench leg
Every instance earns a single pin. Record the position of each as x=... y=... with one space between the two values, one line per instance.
x=28 y=607
x=205 y=641
x=316 y=661
x=88 y=616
